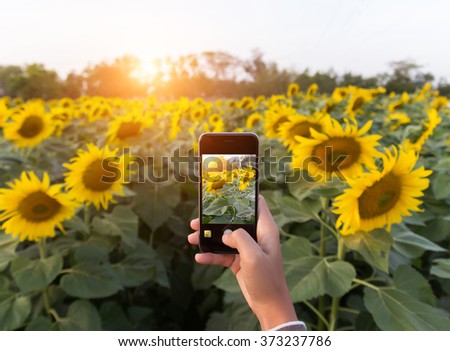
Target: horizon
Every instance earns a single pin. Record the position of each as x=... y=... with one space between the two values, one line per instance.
x=319 y=36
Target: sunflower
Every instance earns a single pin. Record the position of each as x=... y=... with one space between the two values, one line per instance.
x=244 y=176
x=311 y=92
x=339 y=94
x=400 y=103
x=246 y=103
x=395 y=120
x=298 y=125
x=425 y=89
x=29 y=125
x=124 y=129
x=293 y=90
x=336 y=151
x=61 y=118
x=356 y=101
x=31 y=208
x=440 y=102
x=378 y=199
x=95 y=175
x=430 y=126
x=174 y=125
x=253 y=120
x=275 y=117
x=215 y=180
x=4 y=112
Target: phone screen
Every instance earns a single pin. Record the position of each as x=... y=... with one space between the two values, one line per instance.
x=228 y=188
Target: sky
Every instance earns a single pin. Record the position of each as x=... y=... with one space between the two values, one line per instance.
x=361 y=36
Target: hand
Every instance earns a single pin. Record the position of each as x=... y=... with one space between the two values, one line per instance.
x=258 y=268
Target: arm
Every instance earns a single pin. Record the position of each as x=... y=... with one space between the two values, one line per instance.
x=258 y=269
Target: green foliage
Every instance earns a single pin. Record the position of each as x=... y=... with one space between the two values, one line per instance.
x=374 y=247
x=310 y=277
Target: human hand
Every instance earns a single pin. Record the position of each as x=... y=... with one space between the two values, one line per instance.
x=258 y=268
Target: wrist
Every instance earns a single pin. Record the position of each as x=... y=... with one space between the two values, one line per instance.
x=276 y=313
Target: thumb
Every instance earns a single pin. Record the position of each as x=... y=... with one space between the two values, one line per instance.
x=242 y=241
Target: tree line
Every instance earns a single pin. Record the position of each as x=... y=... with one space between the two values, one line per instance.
x=208 y=75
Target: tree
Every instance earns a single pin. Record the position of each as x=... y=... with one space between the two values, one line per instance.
x=116 y=79
x=7 y=73
x=405 y=76
x=35 y=81
x=358 y=80
x=73 y=85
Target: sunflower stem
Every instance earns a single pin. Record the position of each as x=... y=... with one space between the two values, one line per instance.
x=335 y=301
x=42 y=250
x=317 y=313
x=322 y=253
x=45 y=299
x=87 y=215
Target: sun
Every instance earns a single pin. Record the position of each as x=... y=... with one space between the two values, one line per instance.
x=147 y=70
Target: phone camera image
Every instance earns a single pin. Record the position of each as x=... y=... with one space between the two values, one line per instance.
x=228 y=189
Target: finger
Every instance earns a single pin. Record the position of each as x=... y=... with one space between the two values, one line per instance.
x=195 y=224
x=194 y=238
x=216 y=259
x=265 y=219
x=242 y=241
x=267 y=230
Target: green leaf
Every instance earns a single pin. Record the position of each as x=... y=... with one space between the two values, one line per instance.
x=4 y=283
x=237 y=316
x=81 y=316
x=227 y=282
x=33 y=275
x=139 y=266
x=77 y=225
x=122 y=222
x=205 y=275
x=8 y=246
x=413 y=283
x=217 y=208
x=154 y=202
x=309 y=277
x=300 y=211
x=87 y=280
x=441 y=268
x=302 y=188
x=394 y=309
x=90 y=254
x=40 y=323
x=295 y=248
x=113 y=317
x=441 y=186
x=373 y=246
x=14 y=310
x=410 y=244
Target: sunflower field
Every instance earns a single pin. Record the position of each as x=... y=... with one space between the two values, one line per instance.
x=96 y=195
x=228 y=196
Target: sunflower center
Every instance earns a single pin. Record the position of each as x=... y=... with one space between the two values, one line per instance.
x=128 y=130
x=38 y=207
x=302 y=129
x=337 y=154
x=218 y=185
x=359 y=101
x=380 y=197
x=31 y=127
x=98 y=176
x=254 y=122
x=278 y=123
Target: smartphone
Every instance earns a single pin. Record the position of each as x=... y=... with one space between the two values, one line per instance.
x=228 y=187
